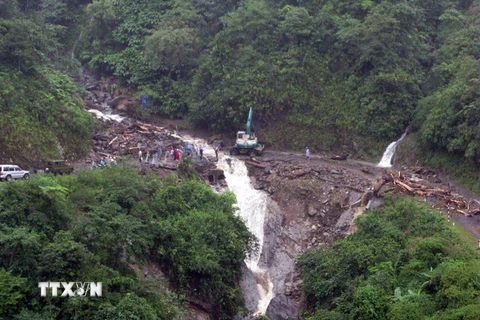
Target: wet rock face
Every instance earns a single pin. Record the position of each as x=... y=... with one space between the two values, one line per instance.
x=282 y=308
x=311 y=205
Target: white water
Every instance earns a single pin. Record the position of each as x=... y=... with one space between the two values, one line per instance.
x=386 y=161
x=100 y=115
x=252 y=206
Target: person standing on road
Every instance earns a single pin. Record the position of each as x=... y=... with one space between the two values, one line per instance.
x=201 y=151
x=307 y=153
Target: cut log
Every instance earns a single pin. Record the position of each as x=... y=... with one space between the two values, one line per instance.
x=474 y=212
x=403 y=185
x=466 y=214
x=378 y=185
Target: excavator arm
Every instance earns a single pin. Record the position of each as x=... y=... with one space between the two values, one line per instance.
x=249 y=122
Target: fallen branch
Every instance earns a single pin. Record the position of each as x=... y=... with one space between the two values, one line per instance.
x=112 y=141
x=403 y=185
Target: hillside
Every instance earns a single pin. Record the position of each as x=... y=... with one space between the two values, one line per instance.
x=330 y=75
x=344 y=78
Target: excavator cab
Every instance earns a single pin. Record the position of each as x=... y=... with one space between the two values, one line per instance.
x=240 y=135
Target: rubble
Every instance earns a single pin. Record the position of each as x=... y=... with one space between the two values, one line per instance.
x=443 y=199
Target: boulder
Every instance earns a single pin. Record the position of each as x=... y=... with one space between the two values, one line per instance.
x=282 y=308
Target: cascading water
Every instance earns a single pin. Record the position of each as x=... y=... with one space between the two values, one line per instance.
x=252 y=206
x=386 y=161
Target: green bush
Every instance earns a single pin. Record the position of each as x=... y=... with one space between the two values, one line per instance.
x=107 y=225
x=400 y=264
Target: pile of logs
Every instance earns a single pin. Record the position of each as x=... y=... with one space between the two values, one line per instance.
x=130 y=137
x=449 y=201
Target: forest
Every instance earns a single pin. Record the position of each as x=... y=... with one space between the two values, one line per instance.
x=356 y=73
x=347 y=75
x=405 y=262
x=114 y=226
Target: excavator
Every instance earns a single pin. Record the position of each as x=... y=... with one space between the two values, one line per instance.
x=247 y=142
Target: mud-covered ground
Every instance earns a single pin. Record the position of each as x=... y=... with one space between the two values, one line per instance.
x=325 y=184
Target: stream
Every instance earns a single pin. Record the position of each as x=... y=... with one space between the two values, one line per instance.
x=252 y=204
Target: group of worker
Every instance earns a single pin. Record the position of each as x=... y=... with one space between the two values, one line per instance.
x=175 y=153
x=103 y=162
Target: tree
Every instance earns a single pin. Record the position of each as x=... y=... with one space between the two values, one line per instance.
x=10 y=291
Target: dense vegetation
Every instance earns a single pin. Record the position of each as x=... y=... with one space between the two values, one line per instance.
x=329 y=73
x=116 y=227
x=354 y=73
x=405 y=262
x=339 y=68
x=42 y=114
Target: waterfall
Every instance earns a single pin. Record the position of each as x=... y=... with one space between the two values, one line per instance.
x=76 y=43
x=77 y=40
x=252 y=205
x=386 y=161
x=252 y=209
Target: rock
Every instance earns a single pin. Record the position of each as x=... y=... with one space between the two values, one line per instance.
x=282 y=308
x=114 y=102
x=366 y=197
x=215 y=175
x=345 y=219
x=312 y=211
x=374 y=203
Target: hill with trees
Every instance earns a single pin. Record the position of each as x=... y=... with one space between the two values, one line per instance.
x=333 y=75
x=354 y=74
x=404 y=262
x=150 y=242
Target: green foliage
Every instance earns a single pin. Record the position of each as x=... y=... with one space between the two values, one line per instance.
x=369 y=303
x=9 y=290
x=107 y=226
x=130 y=307
x=451 y=122
x=41 y=113
x=365 y=69
x=402 y=257
x=339 y=69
